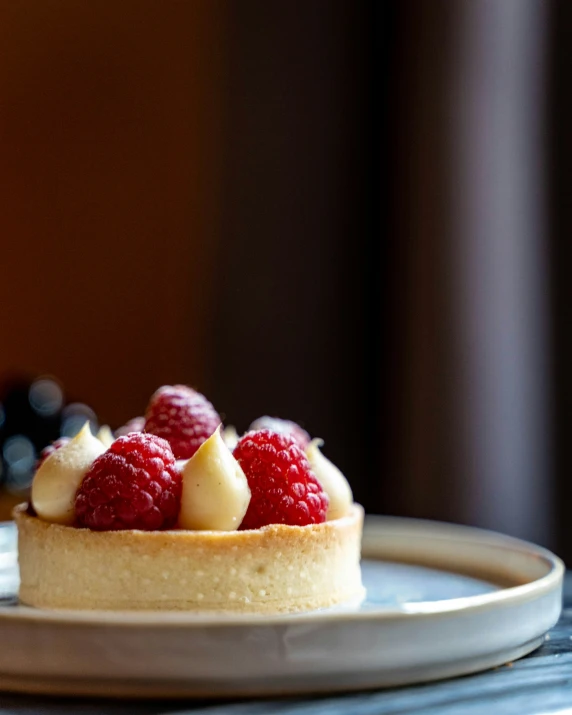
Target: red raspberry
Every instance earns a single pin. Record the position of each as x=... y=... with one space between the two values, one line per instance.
x=183 y=417
x=134 y=485
x=283 y=486
x=134 y=425
x=299 y=435
x=50 y=449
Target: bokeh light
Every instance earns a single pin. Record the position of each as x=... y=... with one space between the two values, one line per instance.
x=19 y=457
x=46 y=396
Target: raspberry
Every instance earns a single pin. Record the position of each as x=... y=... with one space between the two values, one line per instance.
x=50 y=449
x=299 y=435
x=134 y=485
x=283 y=486
x=134 y=425
x=183 y=417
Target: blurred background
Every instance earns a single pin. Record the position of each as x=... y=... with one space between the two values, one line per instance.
x=351 y=214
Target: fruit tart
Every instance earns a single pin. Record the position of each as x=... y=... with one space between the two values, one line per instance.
x=179 y=514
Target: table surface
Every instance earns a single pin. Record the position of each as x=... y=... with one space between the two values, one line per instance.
x=538 y=684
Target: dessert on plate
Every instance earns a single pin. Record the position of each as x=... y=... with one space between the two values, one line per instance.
x=178 y=513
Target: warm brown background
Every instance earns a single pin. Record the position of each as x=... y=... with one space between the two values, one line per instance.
x=111 y=150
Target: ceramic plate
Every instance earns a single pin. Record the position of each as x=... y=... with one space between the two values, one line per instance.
x=442 y=600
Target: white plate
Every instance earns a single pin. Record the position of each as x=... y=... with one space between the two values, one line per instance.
x=442 y=600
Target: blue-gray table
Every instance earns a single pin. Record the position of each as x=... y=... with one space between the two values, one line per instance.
x=538 y=684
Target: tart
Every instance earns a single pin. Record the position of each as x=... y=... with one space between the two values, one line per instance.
x=172 y=518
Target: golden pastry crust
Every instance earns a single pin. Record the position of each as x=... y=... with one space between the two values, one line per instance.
x=276 y=569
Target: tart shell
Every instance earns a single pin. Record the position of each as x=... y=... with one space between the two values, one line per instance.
x=276 y=569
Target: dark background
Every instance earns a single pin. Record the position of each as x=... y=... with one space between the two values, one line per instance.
x=560 y=252
x=351 y=214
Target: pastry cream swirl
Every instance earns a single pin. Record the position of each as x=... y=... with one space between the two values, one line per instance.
x=215 y=494
x=332 y=480
x=59 y=476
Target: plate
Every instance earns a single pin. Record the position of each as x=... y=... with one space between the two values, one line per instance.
x=442 y=600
